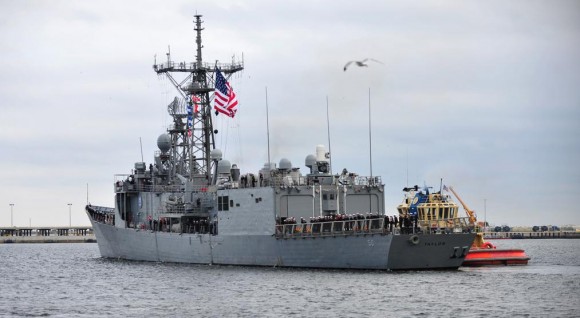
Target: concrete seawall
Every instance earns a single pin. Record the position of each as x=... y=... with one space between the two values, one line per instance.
x=76 y=234
x=532 y=235
x=48 y=239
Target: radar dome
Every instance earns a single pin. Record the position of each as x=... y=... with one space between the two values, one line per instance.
x=285 y=164
x=215 y=154
x=310 y=161
x=164 y=142
x=224 y=167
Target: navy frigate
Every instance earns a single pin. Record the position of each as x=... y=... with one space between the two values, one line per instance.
x=191 y=205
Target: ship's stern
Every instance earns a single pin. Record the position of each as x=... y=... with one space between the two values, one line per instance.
x=429 y=251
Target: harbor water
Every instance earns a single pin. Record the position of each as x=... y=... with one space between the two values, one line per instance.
x=72 y=280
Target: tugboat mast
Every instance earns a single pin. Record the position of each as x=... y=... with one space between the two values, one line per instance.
x=192 y=134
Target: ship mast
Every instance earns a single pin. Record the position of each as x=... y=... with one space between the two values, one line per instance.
x=191 y=146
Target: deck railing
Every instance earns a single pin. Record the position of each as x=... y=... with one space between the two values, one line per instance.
x=368 y=226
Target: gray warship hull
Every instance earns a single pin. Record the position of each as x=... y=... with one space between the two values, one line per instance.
x=352 y=251
x=191 y=205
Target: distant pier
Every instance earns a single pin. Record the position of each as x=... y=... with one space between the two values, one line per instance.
x=532 y=235
x=59 y=234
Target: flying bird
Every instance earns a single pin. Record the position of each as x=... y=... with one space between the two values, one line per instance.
x=361 y=63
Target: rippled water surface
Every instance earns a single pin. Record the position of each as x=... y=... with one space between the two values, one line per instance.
x=71 y=280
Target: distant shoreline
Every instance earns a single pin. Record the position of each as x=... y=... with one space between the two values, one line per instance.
x=532 y=235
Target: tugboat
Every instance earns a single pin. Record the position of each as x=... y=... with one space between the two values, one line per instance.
x=484 y=253
x=191 y=205
x=433 y=212
x=431 y=208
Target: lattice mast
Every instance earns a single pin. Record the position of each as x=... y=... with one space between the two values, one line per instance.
x=192 y=146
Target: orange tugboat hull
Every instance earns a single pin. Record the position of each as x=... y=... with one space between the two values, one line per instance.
x=487 y=257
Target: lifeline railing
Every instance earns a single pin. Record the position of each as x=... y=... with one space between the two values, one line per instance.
x=370 y=226
x=123 y=185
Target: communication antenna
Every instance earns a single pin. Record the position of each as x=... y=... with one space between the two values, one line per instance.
x=141 y=144
x=328 y=132
x=370 y=137
x=268 y=127
x=371 y=181
x=407 y=167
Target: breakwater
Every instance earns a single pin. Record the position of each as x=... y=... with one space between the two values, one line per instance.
x=532 y=235
x=58 y=234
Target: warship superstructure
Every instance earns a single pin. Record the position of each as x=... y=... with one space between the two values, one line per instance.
x=191 y=205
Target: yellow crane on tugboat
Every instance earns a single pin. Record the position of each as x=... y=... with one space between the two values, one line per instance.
x=479 y=242
x=484 y=253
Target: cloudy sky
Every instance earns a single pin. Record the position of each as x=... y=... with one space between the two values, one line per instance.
x=484 y=94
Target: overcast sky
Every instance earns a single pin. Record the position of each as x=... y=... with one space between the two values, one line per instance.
x=484 y=94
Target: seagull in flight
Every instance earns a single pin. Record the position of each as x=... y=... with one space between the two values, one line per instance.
x=361 y=63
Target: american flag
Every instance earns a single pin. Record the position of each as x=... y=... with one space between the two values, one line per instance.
x=225 y=98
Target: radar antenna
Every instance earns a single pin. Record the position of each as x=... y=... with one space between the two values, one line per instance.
x=192 y=133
